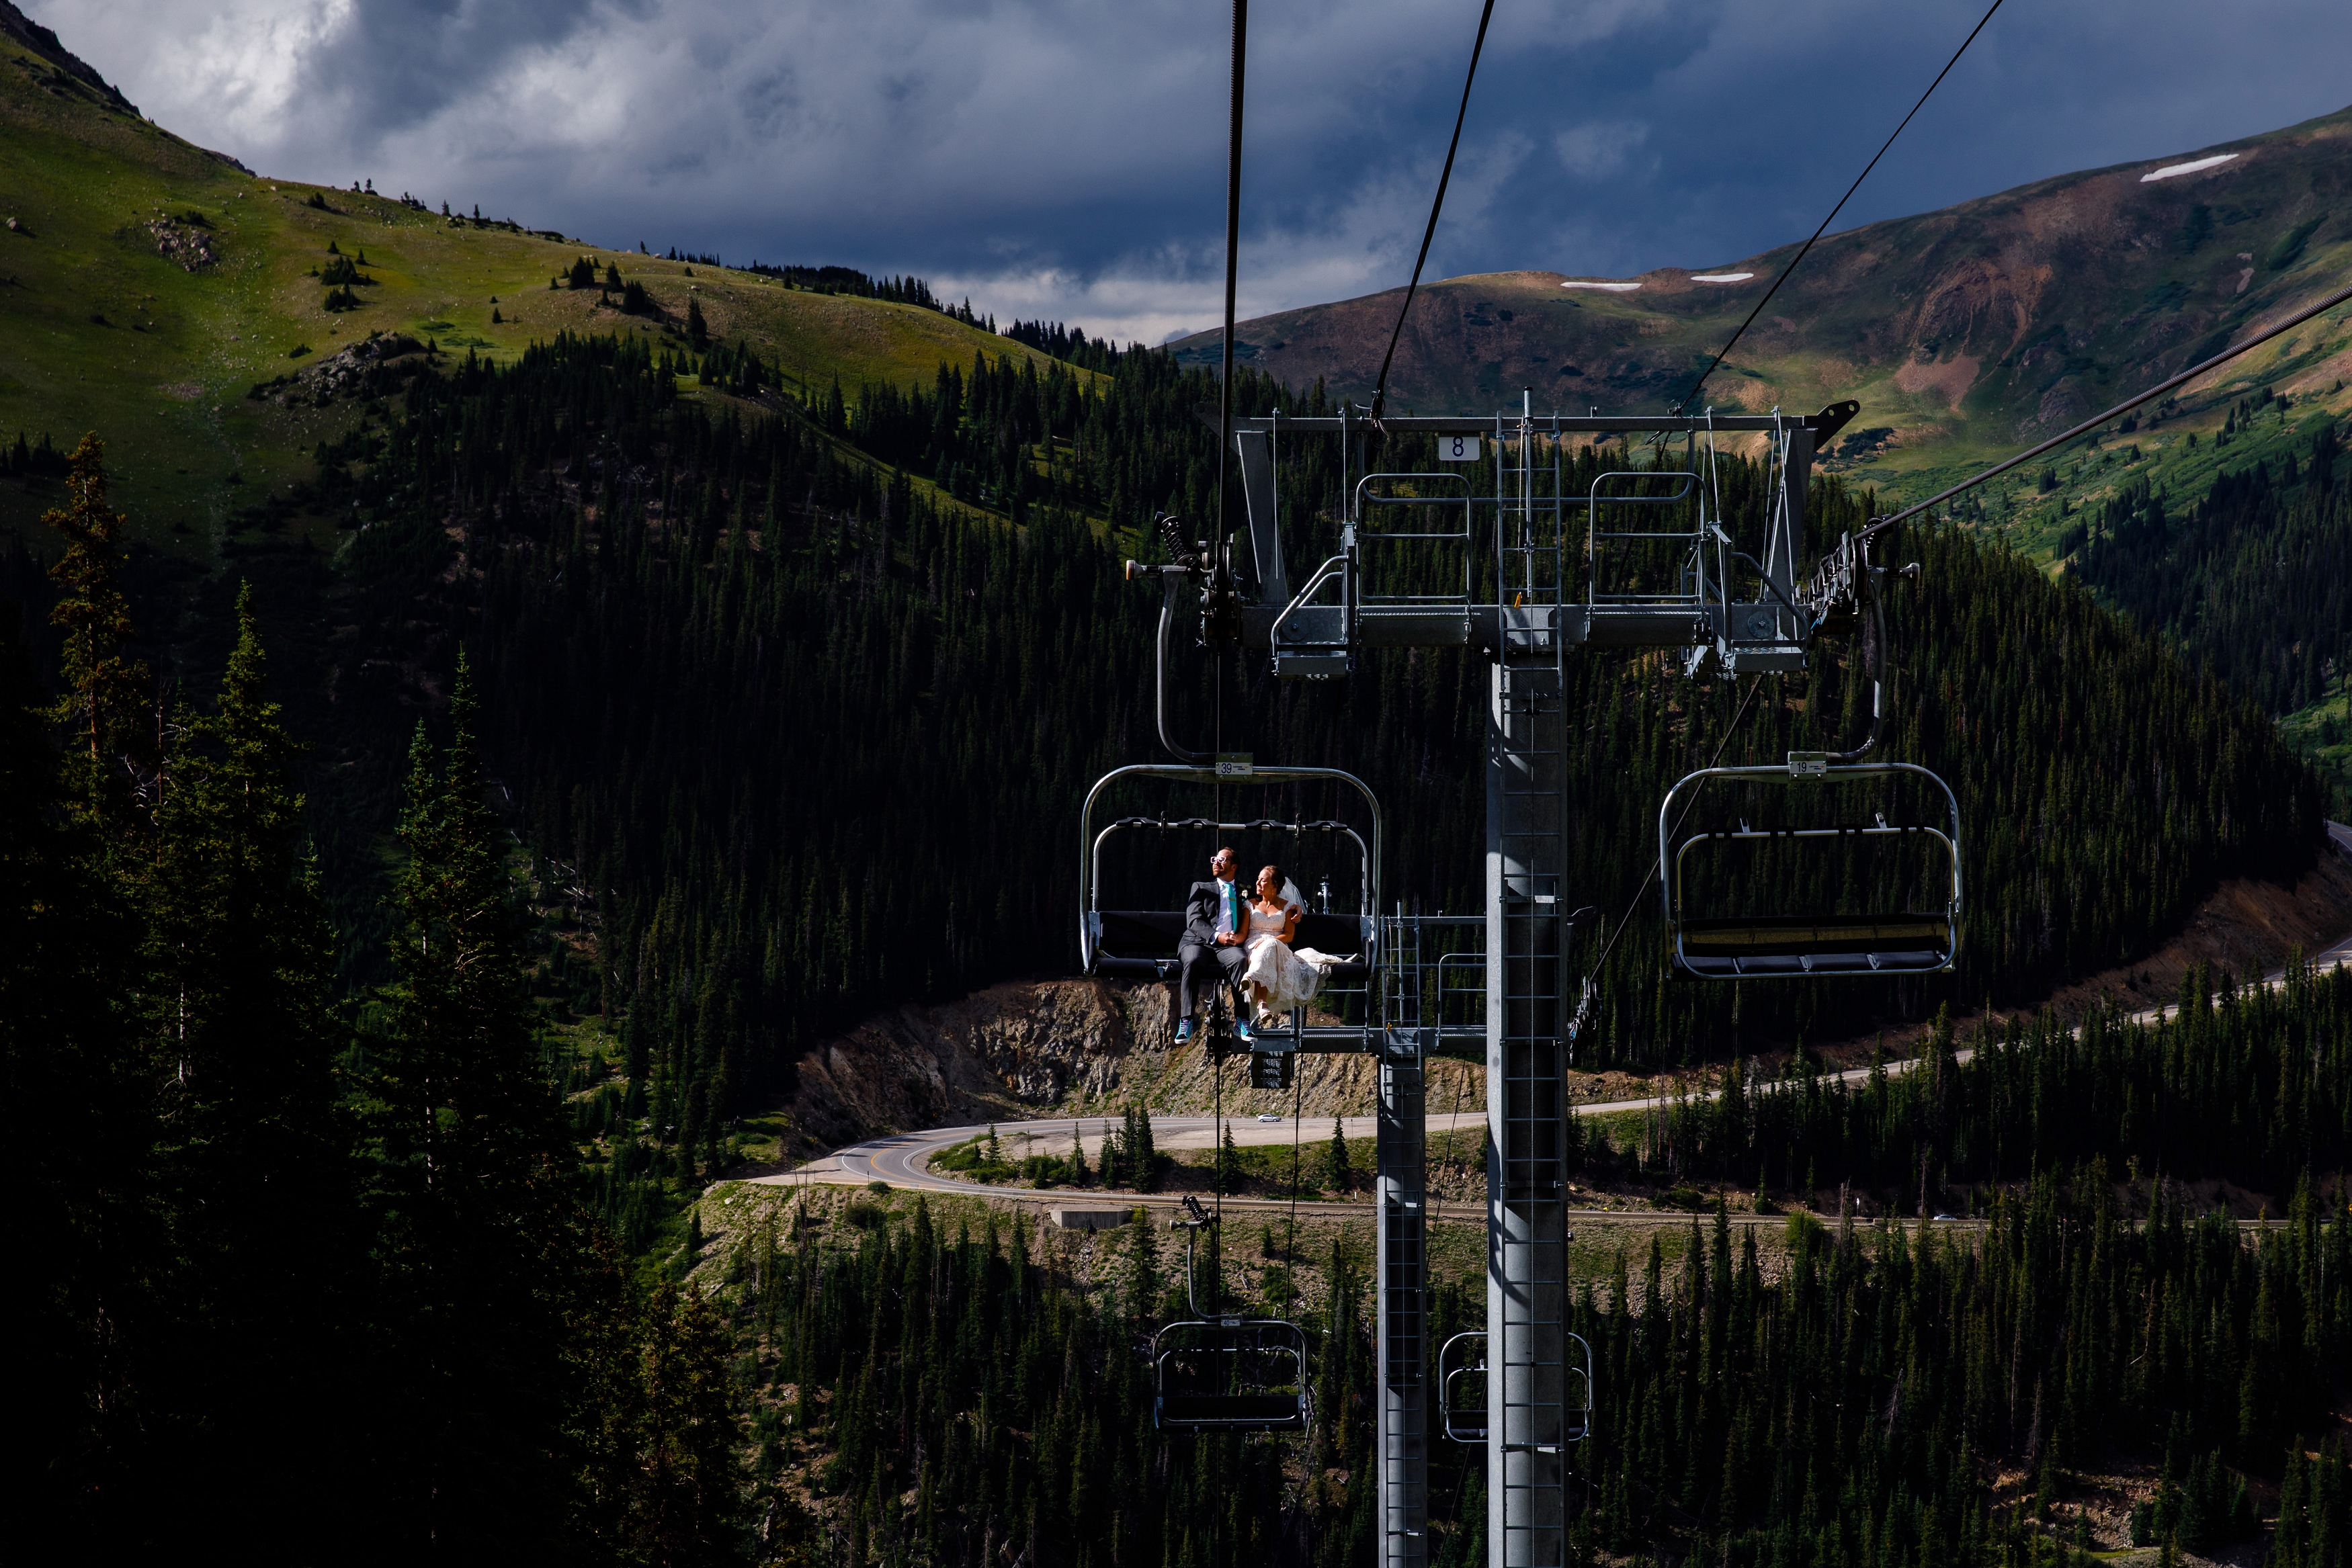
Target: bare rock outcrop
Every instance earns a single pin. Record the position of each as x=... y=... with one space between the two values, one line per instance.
x=40 y=40
x=348 y=372
x=1047 y=1048
x=1018 y=1049
x=182 y=243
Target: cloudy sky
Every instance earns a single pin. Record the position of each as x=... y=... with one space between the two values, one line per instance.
x=1065 y=158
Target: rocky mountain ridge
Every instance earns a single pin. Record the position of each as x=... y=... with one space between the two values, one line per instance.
x=1964 y=331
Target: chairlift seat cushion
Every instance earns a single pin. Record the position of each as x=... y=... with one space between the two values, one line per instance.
x=1814 y=944
x=1140 y=943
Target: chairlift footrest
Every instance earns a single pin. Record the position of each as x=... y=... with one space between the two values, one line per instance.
x=1314 y=666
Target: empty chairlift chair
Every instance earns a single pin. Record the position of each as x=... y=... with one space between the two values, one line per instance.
x=1218 y=1372
x=1706 y=943
x=1462 y=1387
x=1462 y=1390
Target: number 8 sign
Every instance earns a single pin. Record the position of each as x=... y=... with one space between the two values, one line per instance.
x=1457 y=449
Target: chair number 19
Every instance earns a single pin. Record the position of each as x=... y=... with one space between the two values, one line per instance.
x=1457 y=449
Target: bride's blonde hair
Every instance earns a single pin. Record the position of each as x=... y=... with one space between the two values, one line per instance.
x=1280 y=881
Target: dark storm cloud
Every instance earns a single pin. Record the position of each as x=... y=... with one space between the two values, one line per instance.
x=396 y=63
x=1065 y=157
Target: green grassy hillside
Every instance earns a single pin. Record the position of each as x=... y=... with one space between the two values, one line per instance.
x=1965 y=333
x=147 y=286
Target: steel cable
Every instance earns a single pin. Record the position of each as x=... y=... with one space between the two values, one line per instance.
x=1717 y=362
x=1233 y=258
x=1380 y=390
x=1652 y=875
x=2190 y=374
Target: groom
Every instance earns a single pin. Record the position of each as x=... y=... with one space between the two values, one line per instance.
x=1211 y=950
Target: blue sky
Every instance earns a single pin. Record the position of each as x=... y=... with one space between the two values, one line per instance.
x=1065 y=158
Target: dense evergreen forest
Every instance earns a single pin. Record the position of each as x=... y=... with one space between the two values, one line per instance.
x=1862 y=1406
x=1834 y=1394
x=808 y=732
x=785 y=711
x=2249 y=579
x=301 y=1291
x=2250 y=1086
x=2252 y=576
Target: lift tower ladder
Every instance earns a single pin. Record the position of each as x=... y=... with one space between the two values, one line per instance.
x=1527 y=836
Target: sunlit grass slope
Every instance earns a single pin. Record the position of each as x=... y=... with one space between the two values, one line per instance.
x=100 y=330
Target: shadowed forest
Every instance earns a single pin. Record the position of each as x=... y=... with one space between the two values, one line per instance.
x=390 y=981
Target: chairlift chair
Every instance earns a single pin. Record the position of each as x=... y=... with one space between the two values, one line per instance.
x=1462 y=1389
x=1220 y=1372
x=1141 y=944
x=1848 y=592
x=1735 y=946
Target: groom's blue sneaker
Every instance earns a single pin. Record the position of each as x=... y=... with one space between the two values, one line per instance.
x=1184 y=1031
x=1241 y=1031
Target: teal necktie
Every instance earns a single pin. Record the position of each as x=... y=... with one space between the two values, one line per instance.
x=1233 y=910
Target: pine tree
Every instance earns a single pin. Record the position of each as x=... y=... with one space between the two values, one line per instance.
x=691 y=1506
x=82 y=1217
x=697 y=330
x=103 y=685
x=467 y=1155
x=237 y=966
x=1337 y=1175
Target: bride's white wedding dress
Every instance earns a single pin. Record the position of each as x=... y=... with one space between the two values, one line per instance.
x=1289 y=981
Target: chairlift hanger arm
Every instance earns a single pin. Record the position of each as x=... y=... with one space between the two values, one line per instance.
x=1847 y=590
x=1172 y=582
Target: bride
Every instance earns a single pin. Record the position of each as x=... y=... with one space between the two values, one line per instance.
x=1279 y=979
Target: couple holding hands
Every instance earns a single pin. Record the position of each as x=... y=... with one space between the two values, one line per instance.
x=1233 y=937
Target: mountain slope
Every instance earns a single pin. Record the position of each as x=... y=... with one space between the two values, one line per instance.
x=1964 y=332
x=147 y=285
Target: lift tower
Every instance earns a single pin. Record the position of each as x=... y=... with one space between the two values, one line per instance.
x=1561 y=588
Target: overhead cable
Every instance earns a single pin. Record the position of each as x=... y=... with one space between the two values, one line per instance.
x=1826 y=222
x=1381 y=388
x=1233 y=260
x=2190 y=374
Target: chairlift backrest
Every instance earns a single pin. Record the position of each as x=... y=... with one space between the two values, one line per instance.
x=1722 y=944
x=1140 y=943
x=1231 y=1375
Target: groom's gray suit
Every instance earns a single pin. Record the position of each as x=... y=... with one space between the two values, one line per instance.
x=1205 y=963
